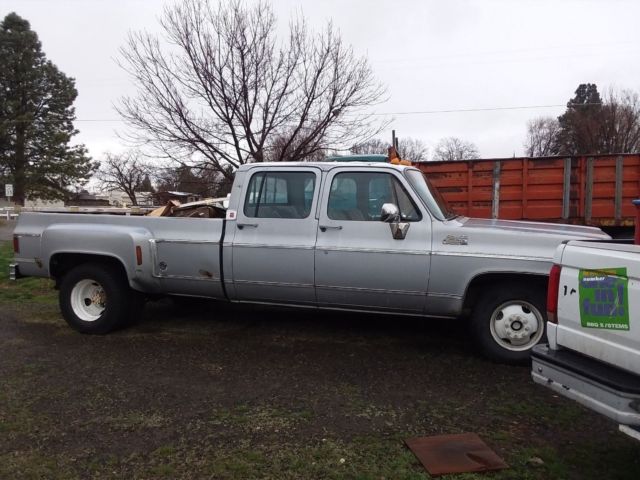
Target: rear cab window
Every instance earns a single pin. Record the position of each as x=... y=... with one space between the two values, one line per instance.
x=280 y=194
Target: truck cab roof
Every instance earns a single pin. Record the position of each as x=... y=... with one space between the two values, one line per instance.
x=325 y=166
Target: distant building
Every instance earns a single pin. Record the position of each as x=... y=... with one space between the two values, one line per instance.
x=118 y=198
x=86 y=199
x=38 y=203
x=162 y=198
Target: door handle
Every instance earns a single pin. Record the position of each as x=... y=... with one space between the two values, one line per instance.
x=324 y=228
x=250 y=225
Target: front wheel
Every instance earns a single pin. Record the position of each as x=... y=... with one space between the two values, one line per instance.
x=96 y=299
x=508 y=321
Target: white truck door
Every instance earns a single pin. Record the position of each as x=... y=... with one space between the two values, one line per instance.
x=275 y=236
x=358 y=263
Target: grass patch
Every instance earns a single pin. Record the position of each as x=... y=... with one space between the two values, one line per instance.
x=135 y=420
x=362 y=458
x=166 y=451
x=260 y=418
x=34 y=465
x=561 y=414
x=37 y=291
x=18 y=398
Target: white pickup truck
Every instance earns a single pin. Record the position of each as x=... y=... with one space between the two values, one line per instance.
x=593 y=354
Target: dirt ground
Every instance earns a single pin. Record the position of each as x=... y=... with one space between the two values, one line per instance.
x=202 y=389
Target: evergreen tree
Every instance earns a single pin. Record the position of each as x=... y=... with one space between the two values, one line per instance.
x=36 y=119
x=581 y=123
x=146 y=185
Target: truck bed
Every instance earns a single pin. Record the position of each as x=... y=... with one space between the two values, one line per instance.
x=164 y=267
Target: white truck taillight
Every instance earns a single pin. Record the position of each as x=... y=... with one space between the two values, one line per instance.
x=16 y=244
x=552 y=293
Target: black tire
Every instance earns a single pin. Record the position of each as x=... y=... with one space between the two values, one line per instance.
x=108 y=302
x=520 y=302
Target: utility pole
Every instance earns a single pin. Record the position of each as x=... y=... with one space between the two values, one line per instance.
x=394 y=140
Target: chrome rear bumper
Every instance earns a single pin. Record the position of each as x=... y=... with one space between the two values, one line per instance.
x=607 y=390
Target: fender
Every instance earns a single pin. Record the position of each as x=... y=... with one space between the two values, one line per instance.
x=118 y=242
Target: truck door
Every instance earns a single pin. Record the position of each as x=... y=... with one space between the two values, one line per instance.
x=275 y=236
x=358 y=263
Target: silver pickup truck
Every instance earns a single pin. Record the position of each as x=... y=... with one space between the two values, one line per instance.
x=368 y=237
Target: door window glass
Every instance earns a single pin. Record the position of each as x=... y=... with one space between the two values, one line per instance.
x=280 y=195
x=359 y=196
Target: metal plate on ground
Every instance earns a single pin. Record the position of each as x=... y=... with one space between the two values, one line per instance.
x=460 y=453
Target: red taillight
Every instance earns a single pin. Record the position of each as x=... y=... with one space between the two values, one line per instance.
x=139 y=255
x=552 y=293
x=16 y=244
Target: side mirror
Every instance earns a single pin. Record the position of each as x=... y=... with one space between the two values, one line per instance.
x=389 y=213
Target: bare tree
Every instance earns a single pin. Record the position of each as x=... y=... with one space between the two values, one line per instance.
x=126 y=172
x=620 y=127
x=279 y=145
x=453 y=148
x=410 y=148
x=413 y=149
x=542 y=134
x=221 y=86
x=374 y=146
x=205 y=182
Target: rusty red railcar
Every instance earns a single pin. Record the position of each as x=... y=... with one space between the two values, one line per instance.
x=593 y=190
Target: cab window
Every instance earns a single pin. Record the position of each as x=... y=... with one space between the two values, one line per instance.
x=280 y=195
x=359 y=196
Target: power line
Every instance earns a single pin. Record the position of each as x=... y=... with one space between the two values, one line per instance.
x=464 y=110
x=406 y=112
x=484 y=109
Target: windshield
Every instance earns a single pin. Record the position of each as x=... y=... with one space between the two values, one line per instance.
x=430 y=195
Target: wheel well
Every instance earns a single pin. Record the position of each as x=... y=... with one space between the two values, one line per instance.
x=481 y=282
x=61 y=263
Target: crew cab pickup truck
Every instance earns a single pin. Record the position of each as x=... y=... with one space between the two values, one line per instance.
x=593 y=350
x=371 y=237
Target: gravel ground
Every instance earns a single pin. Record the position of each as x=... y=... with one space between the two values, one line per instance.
x=208 y=390
x=200 y=389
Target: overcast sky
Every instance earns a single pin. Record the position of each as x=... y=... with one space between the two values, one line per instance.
x=432 y=55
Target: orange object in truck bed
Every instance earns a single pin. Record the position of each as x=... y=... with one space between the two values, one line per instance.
x=589 y=190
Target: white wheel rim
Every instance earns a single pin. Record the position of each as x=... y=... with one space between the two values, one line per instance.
x=88 y=300
x=517 y=325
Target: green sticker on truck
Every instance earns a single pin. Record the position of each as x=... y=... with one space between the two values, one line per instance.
x=604 y=299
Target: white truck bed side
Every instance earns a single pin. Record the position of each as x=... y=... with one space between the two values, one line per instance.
x=599 y=311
